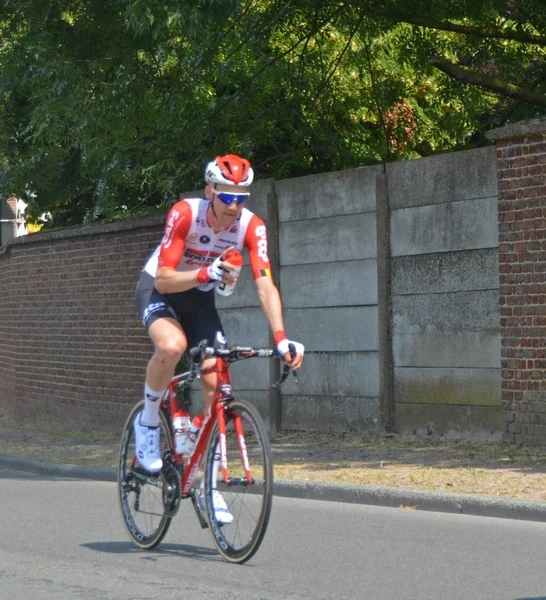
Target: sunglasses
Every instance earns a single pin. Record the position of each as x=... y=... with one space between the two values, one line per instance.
x=228 y=197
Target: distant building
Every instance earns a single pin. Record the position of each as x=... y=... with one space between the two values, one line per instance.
x=12 y=219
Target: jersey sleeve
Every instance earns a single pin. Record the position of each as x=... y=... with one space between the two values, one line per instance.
x=256 y=243
x=176 y=230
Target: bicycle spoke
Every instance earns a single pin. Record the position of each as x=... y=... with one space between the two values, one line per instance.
x=141 y=495
x=248 y=504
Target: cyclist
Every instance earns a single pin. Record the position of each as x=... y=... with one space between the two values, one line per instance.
x=175 y=294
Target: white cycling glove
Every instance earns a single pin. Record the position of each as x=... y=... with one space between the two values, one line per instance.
x=211 y=273
x=282 y=347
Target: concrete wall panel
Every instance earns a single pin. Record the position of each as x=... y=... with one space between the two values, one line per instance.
x=480 y=423
x=330 y=284
x=251 y=374
x=446 y=272
x=245 y=327
x=337 y=329
x=444 y=178
x=330 y=239
x=465 y=225
x=433 y=348
x=468 y=387
x=337 y=374
x=456 y=311
x=336 y=414
x=457 y=329
x=328 y=194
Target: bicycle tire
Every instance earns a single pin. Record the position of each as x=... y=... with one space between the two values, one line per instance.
x=142 y=503
x=249 y=504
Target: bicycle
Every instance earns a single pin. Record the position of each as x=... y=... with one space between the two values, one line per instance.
x=234 y=444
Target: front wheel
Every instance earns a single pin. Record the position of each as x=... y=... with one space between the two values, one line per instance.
x=146 y=498
x=248 y=501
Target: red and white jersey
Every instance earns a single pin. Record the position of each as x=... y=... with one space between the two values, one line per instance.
x=189 y=243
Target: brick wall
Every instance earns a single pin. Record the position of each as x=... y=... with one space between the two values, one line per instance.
x=71 y=346
x=521 y=164
x=72 y=349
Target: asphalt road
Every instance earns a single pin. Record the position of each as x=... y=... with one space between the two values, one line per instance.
x=63 y=539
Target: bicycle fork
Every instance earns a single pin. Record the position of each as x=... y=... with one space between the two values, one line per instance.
x=248 y=480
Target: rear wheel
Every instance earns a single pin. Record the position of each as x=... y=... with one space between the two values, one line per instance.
x=148 y=500
x=249 y=502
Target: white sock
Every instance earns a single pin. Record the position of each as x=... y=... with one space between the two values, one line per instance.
x=152 y=401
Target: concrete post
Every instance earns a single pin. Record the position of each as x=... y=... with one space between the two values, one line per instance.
x=275 y=400
x=386 y=370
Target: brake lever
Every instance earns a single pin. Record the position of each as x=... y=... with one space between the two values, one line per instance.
x=197 y=353
x=292 y=350
x=286 y=369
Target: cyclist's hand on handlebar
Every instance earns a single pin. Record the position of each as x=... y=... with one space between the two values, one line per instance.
x=283 y=348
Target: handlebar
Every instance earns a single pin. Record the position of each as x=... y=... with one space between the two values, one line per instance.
x=198 y=354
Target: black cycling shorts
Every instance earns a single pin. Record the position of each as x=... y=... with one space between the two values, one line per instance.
x=194 y=310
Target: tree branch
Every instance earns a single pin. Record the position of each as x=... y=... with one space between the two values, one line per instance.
x=504 y=34
x=489 y=83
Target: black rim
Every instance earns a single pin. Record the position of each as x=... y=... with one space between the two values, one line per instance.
x=248 y=503
x=142 y=494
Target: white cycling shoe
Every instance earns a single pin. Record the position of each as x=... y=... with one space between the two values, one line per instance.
x=221 y=511
x=147 y=446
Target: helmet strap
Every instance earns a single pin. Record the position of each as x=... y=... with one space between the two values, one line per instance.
x=212 y=202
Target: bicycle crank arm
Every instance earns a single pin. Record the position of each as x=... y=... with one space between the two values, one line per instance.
x=147 y=479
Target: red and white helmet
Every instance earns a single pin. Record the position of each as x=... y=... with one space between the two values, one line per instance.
x=229 y=170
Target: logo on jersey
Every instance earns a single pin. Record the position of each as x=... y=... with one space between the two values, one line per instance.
x=191 y=239
x=194 y=256
x=262 y=242
x=204 y=239
x=170 y=229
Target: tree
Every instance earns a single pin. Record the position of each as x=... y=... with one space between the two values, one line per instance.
x=112 y=107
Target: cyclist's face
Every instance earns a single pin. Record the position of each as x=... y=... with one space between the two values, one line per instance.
x=226 y=213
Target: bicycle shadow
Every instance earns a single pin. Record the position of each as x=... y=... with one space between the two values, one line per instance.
x=178 y=550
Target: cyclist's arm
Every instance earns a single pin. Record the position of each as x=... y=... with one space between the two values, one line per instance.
x=171 y=281
x=270 y=299
x=168 y=280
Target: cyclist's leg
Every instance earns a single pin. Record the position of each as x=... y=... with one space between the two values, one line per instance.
x=209 y=379
x=170 y=343
x=201 y=321
x=160 y=319
x=204 y=323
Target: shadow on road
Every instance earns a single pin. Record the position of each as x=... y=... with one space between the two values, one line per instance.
x=199 y=552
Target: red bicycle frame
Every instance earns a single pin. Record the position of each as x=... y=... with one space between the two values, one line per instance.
x=216 y=412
